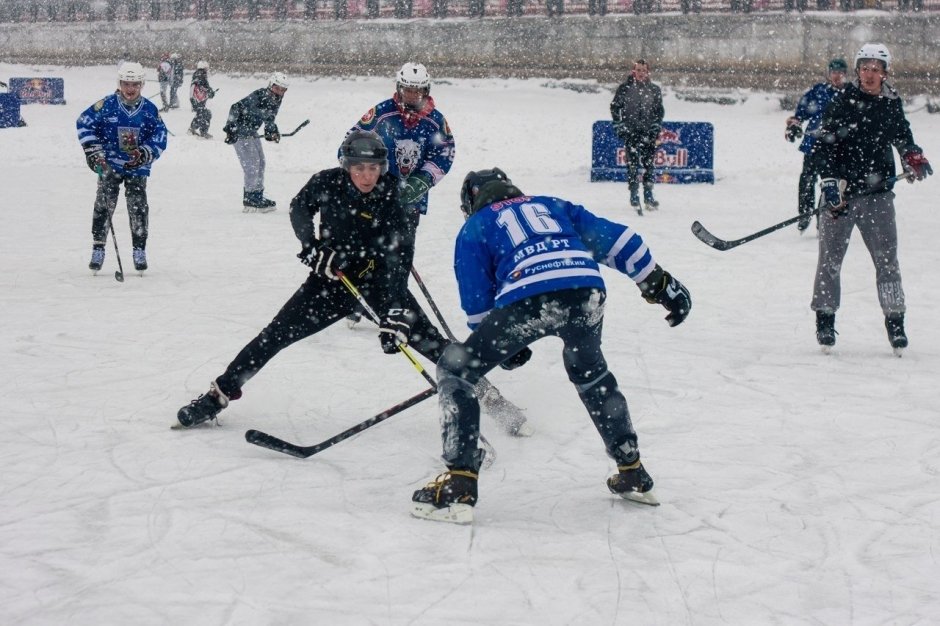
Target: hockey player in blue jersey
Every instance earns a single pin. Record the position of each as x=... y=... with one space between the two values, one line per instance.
x=810 y=110
x=528 y=267
x=122 y=135
x=420 y=144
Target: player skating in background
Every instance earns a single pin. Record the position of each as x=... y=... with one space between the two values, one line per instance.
x=199 y=95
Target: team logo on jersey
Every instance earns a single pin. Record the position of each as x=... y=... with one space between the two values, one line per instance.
x=407 y=153
x=368 y=117
x=128 y=138
x=99 y=105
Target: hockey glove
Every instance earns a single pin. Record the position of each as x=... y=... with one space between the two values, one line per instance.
x=832 y=193
x=271 y=133
x=661 y=288
x=395 y=329
x=138 y=158
x=230 y=136
x=413 y=189
x=517 y=360
x=916 y=163
x=323 y=260
x=94 y=156
x=794 y=129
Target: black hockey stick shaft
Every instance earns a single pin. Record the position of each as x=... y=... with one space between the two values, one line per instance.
x=271 y=442
x=717 y=243
x=291 y=133
x=437 y=311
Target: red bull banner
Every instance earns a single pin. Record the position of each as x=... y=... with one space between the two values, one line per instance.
x=685 y=153
x=38 y=90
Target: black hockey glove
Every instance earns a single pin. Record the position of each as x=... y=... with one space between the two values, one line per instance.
x=517 y=360
x=831 y=189
x=138 y=158
x=271 y=133
x=94 y=156
x=413 y=189
x=395 y=329
x=230 y=136
x=794 y=129
x=322 y=259
x=661 y=288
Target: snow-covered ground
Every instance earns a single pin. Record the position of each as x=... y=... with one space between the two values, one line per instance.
x=795 y=487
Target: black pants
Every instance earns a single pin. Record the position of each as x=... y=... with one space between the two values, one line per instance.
x=640 y=153
x=576 y=316
x=807 y=191
x=318 y=303
x=135 y=192
x=202 y=118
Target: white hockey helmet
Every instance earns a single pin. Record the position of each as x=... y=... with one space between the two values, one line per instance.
x=414 y=76
x=175 y=55
x=131 y=72
x=202 y=65
x=280 y=79
x=876 y=51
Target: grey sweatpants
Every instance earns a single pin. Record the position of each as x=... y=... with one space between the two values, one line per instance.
x=874 y=217
x=251 y=156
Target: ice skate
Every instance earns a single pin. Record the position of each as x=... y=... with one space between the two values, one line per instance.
x=635 y=201
x=826 y=330
x=894 y=324
x=649 y=200
x=632 y=482
x=204 y=408
x=448 y=498
x=97 y=258
x=255 y=202
x=140 y=260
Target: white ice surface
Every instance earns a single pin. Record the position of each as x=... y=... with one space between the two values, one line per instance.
x=796 y=488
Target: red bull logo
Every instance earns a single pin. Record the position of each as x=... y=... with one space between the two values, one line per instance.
x=679 y=158
x=668 y=136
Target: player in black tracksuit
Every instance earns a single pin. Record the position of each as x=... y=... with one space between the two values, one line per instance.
x=365 y=233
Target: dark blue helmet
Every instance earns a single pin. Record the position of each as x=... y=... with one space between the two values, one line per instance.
x=363 y=146
x=485 y=187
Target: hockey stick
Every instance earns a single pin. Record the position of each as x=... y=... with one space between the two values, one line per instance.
x=507 y=415
x=291 y=133
x=302 y=452
x=717 y=243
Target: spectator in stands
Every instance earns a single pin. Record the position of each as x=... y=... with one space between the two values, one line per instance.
x=555 y=8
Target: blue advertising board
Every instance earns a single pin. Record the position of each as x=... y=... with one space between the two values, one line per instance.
x=38 y=90
x=9 y=110
x=684 y=154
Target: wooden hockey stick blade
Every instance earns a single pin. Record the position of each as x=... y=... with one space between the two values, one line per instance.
x=271 y=442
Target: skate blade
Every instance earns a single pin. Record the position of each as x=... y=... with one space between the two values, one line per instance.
x=453 y=514
x=351 y=324
x=640 y=498
x=179 y=426
x=523 y=430
x=898 y=352
x=826 y=349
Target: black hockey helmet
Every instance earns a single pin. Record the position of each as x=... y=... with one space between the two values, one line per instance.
x=363 y=146
x=485 y=187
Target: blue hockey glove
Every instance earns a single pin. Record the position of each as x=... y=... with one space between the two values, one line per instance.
x=832 y=193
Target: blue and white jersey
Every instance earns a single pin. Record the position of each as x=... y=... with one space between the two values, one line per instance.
x=811 y=108
x=418 y=143
x=118 y=129
x=525 y=246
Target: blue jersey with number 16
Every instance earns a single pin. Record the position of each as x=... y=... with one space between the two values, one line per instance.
x=525 y=246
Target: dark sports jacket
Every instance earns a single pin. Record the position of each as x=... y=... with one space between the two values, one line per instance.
x=637 y=111
x=369 y=232
x=857 y=134
x=247 y=115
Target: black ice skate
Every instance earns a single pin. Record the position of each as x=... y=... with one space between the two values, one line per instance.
x=649 y=200
x=255 y=202
x=448 y=498
x=97 y=258
x=635 y=201
x=826 y=330
x=631 y=482
x=896 y=335
x=140 y=259
x=204 y=408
